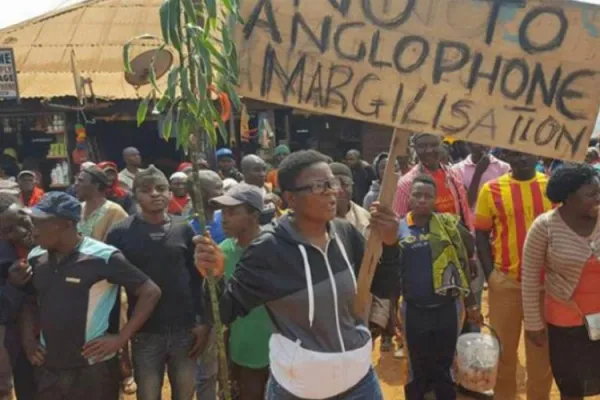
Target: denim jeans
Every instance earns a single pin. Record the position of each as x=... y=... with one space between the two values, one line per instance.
x=206 y=378
x=95 y=382
x=152 y=352
x=367 y=389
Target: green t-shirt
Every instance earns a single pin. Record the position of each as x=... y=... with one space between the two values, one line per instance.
x=248 y=336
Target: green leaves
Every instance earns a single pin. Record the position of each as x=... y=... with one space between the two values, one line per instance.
x=175 y=33
x=168 y=124
x=165 y=13
x=205 y=61
x=142 y=111
x=189 y=10
x=186 y=108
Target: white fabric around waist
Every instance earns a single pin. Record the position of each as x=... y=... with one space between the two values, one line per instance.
x=311 y=375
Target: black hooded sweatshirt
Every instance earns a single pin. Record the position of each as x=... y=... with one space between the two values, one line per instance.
x=309 y=296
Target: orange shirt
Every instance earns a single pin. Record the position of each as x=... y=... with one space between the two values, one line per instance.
x=507 y=208
x=585 y=300
x=35 y=198
x=444 y=201
x=272 y=179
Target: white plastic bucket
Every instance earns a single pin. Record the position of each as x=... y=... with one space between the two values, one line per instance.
x=477 y=356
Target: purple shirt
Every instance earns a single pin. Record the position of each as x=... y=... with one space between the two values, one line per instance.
x=466 y=170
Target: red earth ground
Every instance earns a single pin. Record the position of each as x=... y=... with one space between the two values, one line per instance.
x=391 y=373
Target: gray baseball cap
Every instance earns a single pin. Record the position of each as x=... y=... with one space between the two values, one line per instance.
x=239 y=194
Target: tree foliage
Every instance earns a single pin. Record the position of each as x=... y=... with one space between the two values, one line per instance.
x=197 y=90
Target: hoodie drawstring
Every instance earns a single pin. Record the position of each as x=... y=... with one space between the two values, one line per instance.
x=310 y=289
x=309 y=285
x=343 y=251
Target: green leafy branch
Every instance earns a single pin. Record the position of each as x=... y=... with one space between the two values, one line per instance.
x=200 y=32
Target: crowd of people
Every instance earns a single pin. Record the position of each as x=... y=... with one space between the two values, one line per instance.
x=102 y=287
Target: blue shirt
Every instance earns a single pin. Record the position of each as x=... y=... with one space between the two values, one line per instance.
x=416 y=266
x=215 y=227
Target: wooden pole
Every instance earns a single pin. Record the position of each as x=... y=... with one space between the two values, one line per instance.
x=373 y=249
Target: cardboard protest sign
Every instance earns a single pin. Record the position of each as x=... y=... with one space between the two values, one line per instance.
x=492 y=72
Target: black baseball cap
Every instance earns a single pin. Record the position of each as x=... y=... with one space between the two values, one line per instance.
x=242 y=193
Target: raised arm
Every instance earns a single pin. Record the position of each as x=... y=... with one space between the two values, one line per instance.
x=251 y=285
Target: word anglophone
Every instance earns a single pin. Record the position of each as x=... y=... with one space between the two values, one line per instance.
x=495 y=72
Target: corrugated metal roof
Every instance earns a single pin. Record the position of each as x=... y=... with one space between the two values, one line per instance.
x=96 y=30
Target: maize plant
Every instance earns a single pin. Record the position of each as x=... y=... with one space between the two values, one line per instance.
x=198 y=96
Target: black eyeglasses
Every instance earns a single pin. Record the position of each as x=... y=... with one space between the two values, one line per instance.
x=319 y=187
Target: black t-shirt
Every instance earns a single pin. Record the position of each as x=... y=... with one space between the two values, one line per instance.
x=75 y=296
x=166 y=254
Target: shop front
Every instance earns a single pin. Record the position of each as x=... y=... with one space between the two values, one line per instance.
x=36 y=141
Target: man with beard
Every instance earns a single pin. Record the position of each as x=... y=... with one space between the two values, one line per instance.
x=174 y=335
x=15 y=241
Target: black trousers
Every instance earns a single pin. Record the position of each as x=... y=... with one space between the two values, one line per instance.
x=431 y=335
x=23 y=378
x=96 y=382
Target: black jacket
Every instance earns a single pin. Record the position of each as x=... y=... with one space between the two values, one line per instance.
x=293 y=279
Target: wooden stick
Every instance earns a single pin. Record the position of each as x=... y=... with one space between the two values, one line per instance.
x=373 y=249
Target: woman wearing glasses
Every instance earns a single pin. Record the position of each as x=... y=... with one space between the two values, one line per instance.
x=304 y=271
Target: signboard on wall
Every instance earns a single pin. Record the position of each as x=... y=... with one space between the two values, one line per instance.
x=9 y=88
x=494 y=72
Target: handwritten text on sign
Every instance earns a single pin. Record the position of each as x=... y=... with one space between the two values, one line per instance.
x=493 y=73
x=8 y=76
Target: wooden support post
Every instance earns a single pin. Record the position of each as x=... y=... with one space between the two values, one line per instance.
x=373 y=249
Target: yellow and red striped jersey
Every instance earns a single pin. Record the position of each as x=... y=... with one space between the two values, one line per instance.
x=507 y=207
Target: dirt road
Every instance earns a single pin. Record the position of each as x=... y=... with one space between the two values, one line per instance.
x=391 y=374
